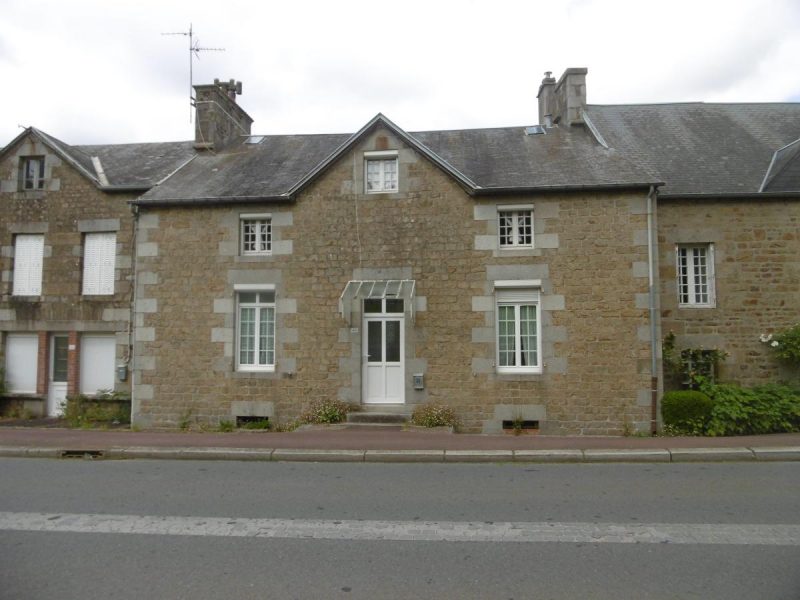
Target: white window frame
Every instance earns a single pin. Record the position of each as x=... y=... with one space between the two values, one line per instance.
x=263 y=241
x=99 y=263
x=36 y=181
x=517 y=214
x=690 y=278
x=382 y=159
x=514 y=295
x=264 y=311
x=28 y=263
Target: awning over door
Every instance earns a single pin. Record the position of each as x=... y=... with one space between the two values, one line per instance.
x=377 y=288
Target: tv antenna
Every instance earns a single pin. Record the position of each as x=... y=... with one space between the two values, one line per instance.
x=194 y=52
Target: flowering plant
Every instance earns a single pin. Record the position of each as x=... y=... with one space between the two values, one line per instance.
x=785 y=344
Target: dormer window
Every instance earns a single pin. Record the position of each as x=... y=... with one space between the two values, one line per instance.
x=32 y=173
x=380 y=172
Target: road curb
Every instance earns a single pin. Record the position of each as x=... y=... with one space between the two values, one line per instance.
x=405 y=456
x=711 y=454
x=592 y=455
x=648 y=455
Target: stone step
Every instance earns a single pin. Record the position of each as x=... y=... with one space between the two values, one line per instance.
x=378 y=418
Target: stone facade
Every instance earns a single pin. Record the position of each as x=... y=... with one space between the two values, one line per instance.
x=586 y=261
x=756 y=246
x=67 y=208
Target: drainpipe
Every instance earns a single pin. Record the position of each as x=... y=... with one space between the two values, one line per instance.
x=131 y=325
x=651 y=195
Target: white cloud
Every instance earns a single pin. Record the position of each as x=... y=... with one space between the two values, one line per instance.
x=92 y=71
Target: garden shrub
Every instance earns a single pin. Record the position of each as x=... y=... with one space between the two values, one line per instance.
x=744 y=411
x=326 y=410
x=434 y=415
x=686 y=412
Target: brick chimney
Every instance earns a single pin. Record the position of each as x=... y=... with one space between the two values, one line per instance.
x=219 y=121
x=564 y=100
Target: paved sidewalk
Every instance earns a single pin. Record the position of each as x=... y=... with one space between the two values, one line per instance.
x=389 y=444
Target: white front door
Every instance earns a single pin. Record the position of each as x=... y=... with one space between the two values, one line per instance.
x=383 y=345
x=57 y=388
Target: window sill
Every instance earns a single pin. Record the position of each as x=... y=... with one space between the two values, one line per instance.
x=693 y=306
x=245 y=258
x=260 y=374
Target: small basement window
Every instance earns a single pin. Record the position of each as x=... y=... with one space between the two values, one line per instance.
x=253 y=423
x=520 y=425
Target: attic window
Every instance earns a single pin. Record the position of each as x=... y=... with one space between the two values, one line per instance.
x=32 y=173
x=380 y=169
x=534 y=130
x=254 y=139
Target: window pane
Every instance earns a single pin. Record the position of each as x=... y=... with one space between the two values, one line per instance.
x=394 y=305
x=248 y=297
x=372 y=305
x=524 y=228
x=392 y=341
x=266 y=337
x=267 y=297
x=504 y=225
x=506 y=336
x=374 y=341
x=527 y=336
x=247 y=336
x=60 y=345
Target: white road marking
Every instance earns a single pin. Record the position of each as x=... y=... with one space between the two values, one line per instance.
x=416 y=531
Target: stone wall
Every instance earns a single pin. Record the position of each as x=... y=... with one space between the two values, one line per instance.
x=67 y=208
x=757 y=275
x=590 y=259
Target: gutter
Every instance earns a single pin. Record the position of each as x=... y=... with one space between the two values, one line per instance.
x=578 y=187
x=731 y=196
x=210 y=200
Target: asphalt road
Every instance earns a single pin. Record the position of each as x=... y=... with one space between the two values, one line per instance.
x=184 y=529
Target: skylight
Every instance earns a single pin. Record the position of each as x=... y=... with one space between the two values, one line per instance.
x=254 y=139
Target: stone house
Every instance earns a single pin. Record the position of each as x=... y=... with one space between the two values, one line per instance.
x=66 y=236
x=512 y=273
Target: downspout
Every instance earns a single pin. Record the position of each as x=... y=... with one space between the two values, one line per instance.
x=131 y=325
x=651 y=195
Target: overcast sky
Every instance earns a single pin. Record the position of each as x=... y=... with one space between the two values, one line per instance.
x=99 y=71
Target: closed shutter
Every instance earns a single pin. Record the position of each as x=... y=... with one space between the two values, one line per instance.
x=99 y=255
x=28 y=258
x=21 y=361
x=517 y=296
x=98 y=357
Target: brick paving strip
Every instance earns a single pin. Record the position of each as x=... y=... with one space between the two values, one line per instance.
x=416 y=531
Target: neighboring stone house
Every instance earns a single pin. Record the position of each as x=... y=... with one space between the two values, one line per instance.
x=512 y=273
x=66 y=235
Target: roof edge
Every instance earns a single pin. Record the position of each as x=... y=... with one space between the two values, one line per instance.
x=210 y=200
x=729 y=195
x=576 y=187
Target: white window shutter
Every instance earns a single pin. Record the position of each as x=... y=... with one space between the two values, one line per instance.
x=99 y=257
x=21 y=362
x=28 y=259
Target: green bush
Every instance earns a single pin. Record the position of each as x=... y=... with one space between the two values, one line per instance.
x=743 y=411
x=434 y=415
x=326 y=410
x=686 y=412
x=785 y=344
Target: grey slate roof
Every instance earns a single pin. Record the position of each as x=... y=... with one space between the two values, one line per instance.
x=491 y=159
x=138 y=165
x=698 y=148
x=135 y=166
x=784 y=172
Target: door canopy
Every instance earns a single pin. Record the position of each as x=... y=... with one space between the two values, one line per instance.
x=358 y=289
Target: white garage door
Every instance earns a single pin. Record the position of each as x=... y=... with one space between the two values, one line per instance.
x=21 y=360
x=98 y=357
